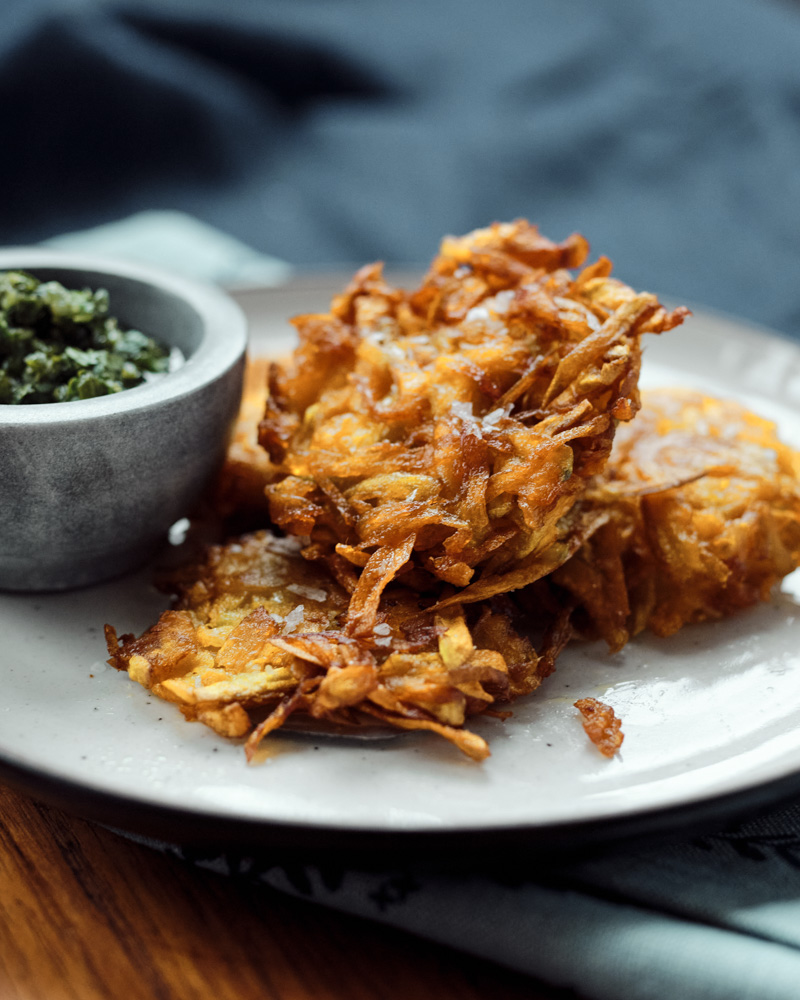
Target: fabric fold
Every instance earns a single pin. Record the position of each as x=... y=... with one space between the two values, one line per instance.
x=716 y=917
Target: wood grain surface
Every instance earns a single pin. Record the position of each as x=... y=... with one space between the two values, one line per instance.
x=86 y=914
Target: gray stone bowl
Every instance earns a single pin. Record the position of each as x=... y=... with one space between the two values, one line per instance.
x=90 y=488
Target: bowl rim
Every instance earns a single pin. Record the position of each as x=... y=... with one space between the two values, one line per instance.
x=222 y=345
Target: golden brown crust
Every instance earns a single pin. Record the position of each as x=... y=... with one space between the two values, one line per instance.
x=602 y=726
x=458 y=424
x=257 y=636
x=247 y=470
x=704 y=505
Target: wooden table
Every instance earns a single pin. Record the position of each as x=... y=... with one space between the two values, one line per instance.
x=86 y=914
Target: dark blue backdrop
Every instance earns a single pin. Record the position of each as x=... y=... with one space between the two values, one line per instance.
x=328 y=131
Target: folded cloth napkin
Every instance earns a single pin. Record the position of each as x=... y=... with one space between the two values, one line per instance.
x=180 y=243
x=716 y=917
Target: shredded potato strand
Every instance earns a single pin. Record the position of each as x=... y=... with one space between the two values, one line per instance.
x=467 y=415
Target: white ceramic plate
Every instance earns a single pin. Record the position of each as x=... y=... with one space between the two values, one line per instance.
x=711 y=716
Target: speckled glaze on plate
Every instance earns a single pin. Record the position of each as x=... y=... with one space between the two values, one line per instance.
x=711 y=716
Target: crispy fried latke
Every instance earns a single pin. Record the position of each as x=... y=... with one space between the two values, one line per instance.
x=704 y=518
x=693 y=482
x=450 y=430
x=433 y=451
x=256 y=636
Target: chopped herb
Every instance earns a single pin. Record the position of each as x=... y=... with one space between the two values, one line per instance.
x=59 y=344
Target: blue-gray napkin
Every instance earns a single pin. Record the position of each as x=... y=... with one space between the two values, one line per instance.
x=715 y=917
x=180 y=243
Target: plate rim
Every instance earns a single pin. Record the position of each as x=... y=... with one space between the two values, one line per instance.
x=365 y=846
